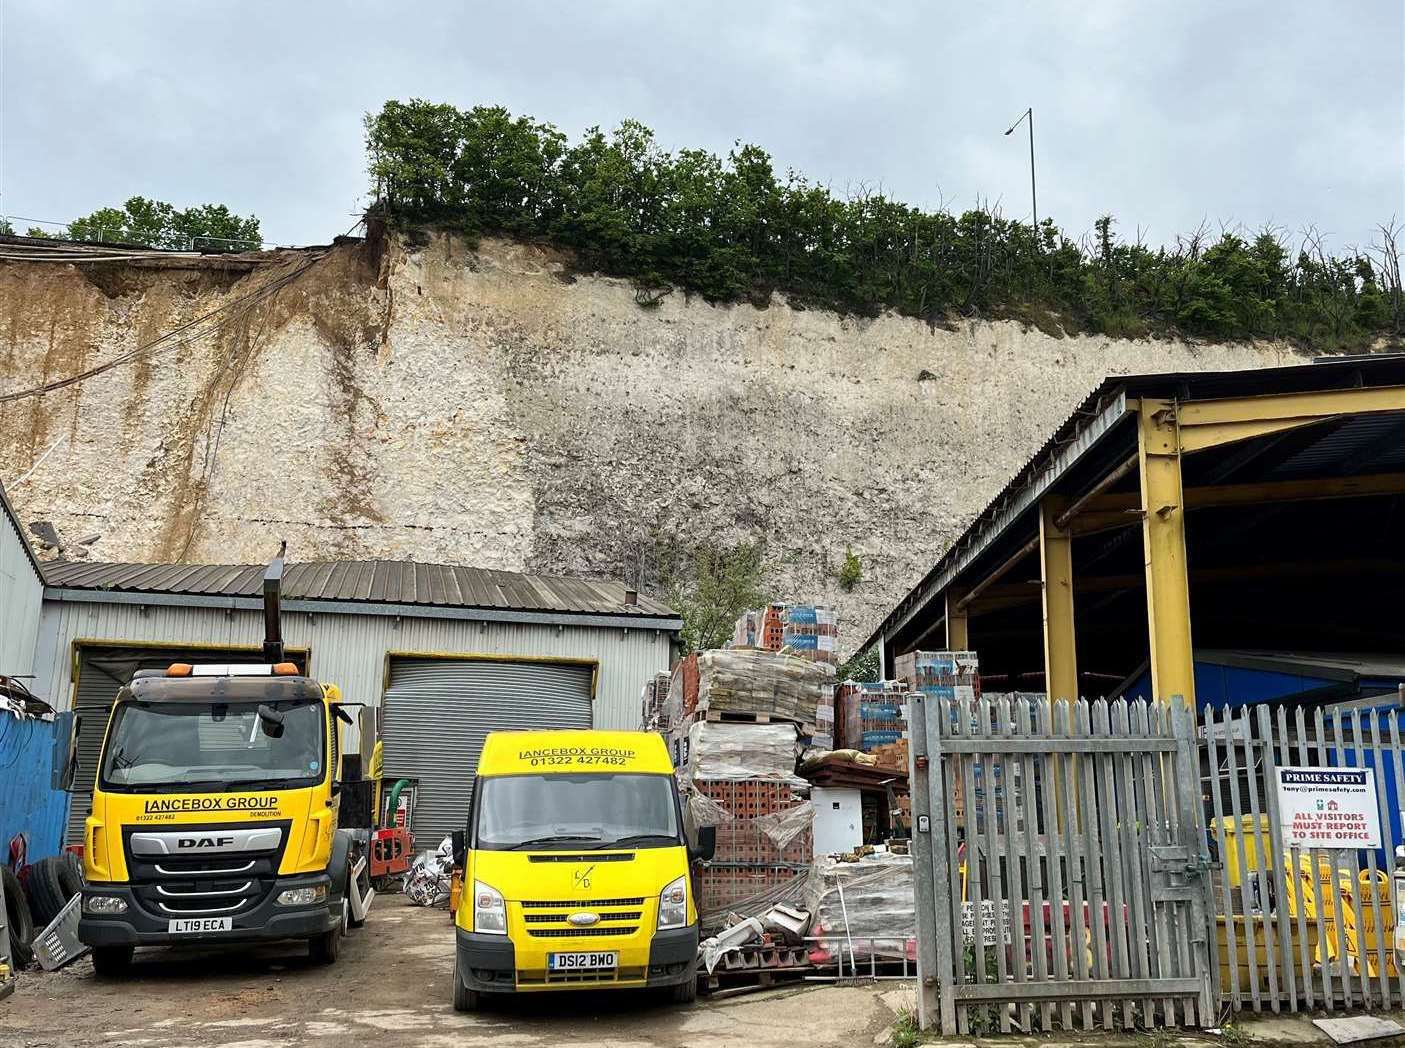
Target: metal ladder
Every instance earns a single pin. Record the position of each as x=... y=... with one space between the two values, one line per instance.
x=9 y=973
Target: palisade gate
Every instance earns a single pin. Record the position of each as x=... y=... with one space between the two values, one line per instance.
x=1062 y=866
x=1119 y=865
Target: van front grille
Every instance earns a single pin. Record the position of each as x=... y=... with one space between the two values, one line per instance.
x=578 y=904
x=562 y=918
x=571 y=933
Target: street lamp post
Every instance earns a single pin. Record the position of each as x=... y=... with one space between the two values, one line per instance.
x=1028 y=115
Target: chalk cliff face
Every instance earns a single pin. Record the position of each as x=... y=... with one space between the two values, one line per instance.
x=487 y=406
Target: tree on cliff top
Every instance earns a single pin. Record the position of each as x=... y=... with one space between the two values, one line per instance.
x=730 y=228
x=155 y=223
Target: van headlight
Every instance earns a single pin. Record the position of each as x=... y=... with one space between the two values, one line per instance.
x=673 y=904
x=489 y=910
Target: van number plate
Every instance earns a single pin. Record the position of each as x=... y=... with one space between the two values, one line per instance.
x=187 y=925
x=582 y=962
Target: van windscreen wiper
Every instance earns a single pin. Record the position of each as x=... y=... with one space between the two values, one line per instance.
x=556 y=838
x=635 y=839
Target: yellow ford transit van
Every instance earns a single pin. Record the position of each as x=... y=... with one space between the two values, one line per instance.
x=576 y=868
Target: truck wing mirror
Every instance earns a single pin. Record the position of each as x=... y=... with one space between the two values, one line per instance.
x=458 y=840
x=64 y=769
x=706 y=846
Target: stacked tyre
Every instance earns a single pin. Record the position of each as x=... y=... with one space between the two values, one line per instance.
x=17 y=916
x=51 y=883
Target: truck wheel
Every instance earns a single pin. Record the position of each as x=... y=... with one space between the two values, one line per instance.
x=326 y=948
x=18 y=917
x=686 y=992
x=465 y=1000
x=112 y=961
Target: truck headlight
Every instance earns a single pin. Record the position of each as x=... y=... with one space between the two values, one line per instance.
x=489 y=910
x=673 y=904
x=303 y=896
x=104 y=904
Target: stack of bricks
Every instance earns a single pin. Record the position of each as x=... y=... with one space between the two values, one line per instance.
x=760 y=628
x=811 y=631
x=950 y=675
x=743 y=841
x=870 y=715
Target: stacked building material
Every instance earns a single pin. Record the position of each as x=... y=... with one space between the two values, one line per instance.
x=760 y=628
x=653 y=699
x=741 y=779
x=868 y=715
x=873 y=914
x=953 y=675
x=759 y=685
x=811 y=631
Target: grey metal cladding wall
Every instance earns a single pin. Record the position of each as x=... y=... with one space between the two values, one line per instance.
x=350 y=650
x=21 y=595
x=437 y=712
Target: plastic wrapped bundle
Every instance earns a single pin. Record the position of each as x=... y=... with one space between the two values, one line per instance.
x=811 y=631
x=757 y=682
x=877 y=902
x=722 y=751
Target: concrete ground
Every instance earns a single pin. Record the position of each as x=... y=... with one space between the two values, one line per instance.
x=391 y=989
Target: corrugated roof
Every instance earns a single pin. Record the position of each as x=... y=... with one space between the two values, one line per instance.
x=8 y=512
x=1324 y=374
x=369 y=581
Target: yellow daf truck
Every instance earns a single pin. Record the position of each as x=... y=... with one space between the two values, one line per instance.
x=576 y=869
x=217 y=808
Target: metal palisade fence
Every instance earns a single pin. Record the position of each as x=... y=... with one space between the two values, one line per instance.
x=1303 y=809
x=1062 y=865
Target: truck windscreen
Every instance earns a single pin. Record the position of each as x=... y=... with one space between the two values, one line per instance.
x=177 y=746
x=570 y=812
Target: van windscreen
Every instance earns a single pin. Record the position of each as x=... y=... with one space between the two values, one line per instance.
x=575 y=812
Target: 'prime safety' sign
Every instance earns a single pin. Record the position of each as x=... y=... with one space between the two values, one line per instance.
x=1329 y=808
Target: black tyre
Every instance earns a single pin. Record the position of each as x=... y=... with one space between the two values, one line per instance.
x=326 y=948
x=17 y=916
x=685 y=992
x=465 y=1000
x=51 y=883
x=111 y=962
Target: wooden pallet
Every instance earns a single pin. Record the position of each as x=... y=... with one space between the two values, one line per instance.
x=748 y=717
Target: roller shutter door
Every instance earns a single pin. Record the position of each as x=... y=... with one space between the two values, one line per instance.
x=101 y=672
x=437 y=712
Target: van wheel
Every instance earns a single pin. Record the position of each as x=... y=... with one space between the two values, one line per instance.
x=686 y=992
x=112 y=961
x=465 y=1000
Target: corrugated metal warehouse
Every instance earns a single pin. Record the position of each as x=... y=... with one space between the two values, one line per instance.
x=445 y=653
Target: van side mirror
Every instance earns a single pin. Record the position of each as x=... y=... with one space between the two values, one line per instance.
x=64 y=767
x=706 y=847
x=458 y=841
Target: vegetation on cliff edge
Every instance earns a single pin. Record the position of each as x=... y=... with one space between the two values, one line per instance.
x=732 y=228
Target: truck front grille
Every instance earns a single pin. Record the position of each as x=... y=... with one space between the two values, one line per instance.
x=225 y=883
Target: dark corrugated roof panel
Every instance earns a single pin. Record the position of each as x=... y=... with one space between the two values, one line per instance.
x=379 y=581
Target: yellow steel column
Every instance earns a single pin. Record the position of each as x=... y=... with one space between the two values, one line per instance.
x=957 y=637
x=1163 y=539
x=1056 y=574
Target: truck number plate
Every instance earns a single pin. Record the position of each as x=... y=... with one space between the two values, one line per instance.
x=579 y=962
x=187 y=925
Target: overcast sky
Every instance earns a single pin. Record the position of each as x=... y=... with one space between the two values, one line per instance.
x=1162 y=112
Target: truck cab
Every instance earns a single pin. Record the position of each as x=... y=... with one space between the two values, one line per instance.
x=218 y=812
x=215 y=814
x=576 y=869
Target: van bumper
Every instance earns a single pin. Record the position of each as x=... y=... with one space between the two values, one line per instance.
x=488 y=963
x=265 y=922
